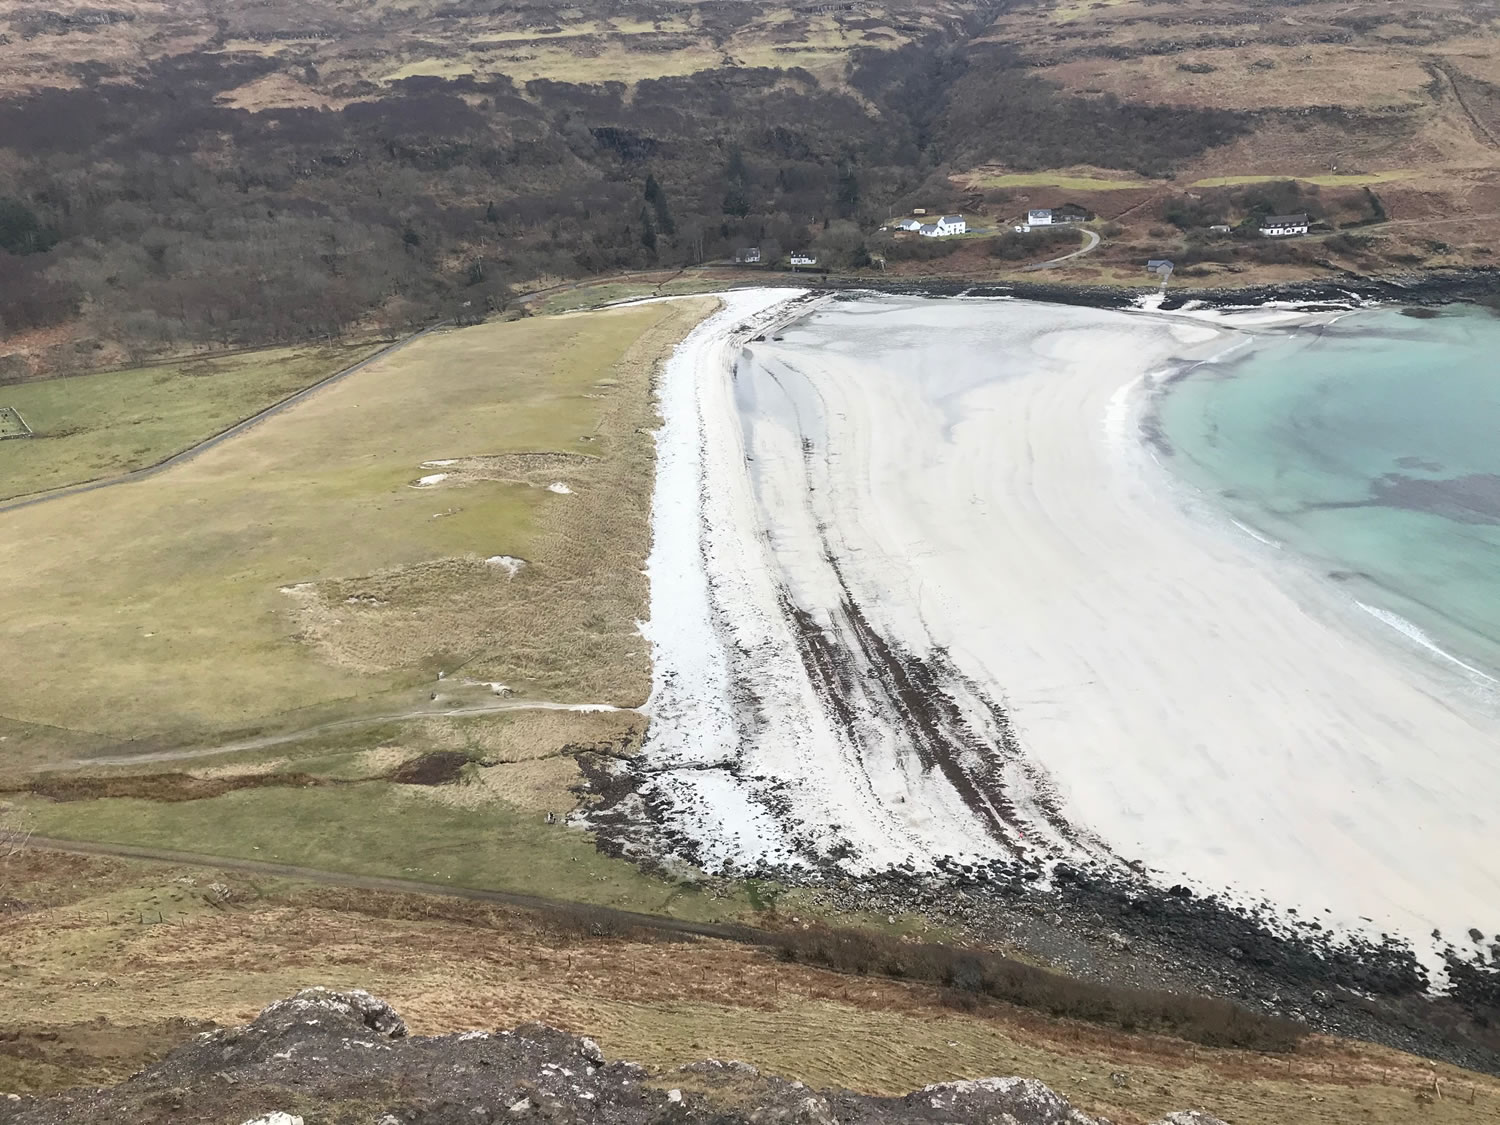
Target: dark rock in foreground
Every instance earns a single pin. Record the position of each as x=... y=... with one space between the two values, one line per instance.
x=344 y=1057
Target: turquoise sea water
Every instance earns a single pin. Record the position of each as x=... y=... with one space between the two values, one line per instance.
x=1370 y=447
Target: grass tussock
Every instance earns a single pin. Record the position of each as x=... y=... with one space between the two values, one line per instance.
x=975 y=974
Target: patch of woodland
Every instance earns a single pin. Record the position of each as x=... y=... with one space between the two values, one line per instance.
x=164 y=217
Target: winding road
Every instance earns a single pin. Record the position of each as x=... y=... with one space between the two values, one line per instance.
x=1093 y=241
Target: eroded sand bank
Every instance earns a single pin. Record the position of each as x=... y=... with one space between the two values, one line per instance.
x=920 y=590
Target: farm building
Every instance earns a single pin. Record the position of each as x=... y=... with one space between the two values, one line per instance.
x=1055 y=217
x=1283 y=226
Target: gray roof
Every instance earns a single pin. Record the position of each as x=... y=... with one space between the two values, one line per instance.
x=928 y=227
x=1284 y=221
x=953 y=218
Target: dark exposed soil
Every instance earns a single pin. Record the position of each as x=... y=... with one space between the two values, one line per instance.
x=438 y=768
x=158 y=786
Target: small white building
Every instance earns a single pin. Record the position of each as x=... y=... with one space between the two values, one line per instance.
x=799 y=259
x=747 y=256
x=909 y=224
x=1283 y=226
x=1039 y=218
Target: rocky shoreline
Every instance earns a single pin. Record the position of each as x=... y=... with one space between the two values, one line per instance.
x=1111 y=922
x=1120 y=928
x=1098 y=926
x=1425 y=289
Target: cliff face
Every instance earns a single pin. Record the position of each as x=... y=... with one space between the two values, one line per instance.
x=345 y=1058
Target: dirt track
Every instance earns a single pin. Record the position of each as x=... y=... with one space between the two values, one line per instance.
x=192 y=752
x=744 y=934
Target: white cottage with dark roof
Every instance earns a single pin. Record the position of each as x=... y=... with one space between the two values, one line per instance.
x=1283 y=226
x=946 y=226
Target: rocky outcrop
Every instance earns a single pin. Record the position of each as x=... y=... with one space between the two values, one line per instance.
x=345 y=1057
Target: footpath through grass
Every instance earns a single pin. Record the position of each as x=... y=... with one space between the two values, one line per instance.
x=374 y=828
x=90 y=426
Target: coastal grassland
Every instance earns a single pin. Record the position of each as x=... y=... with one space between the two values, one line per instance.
x=91 y=426
x=460 y=801
x=305 y=572
x=96 y=935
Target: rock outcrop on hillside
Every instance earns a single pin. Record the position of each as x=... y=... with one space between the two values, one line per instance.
x=345 y=1058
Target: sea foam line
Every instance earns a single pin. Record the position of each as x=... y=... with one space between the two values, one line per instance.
x=1412 y=632
x=1257 y=536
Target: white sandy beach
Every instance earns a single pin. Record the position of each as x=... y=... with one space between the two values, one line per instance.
x=965 y=482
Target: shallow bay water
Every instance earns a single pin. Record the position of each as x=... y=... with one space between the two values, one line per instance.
x=1371 y=447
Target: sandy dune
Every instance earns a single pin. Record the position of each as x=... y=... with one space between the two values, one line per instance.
x=919 y=589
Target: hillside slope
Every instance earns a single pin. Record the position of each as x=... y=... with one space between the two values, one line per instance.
x=176 y=177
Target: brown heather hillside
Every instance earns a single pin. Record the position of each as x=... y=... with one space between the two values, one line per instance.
x=175 y=178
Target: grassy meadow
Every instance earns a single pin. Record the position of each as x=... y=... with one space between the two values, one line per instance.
x=91 y=426
x=306 y=570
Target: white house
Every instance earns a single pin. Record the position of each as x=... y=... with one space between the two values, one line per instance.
x=909 y=224
x=1041 y=218
x=945 y=227
x=747 y=256
x=1283 y=226
x=799 y=259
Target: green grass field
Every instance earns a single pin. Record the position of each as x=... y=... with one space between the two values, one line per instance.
x=91 y=426
x=1061 y=180
x=297 y=573
x=376 y=829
